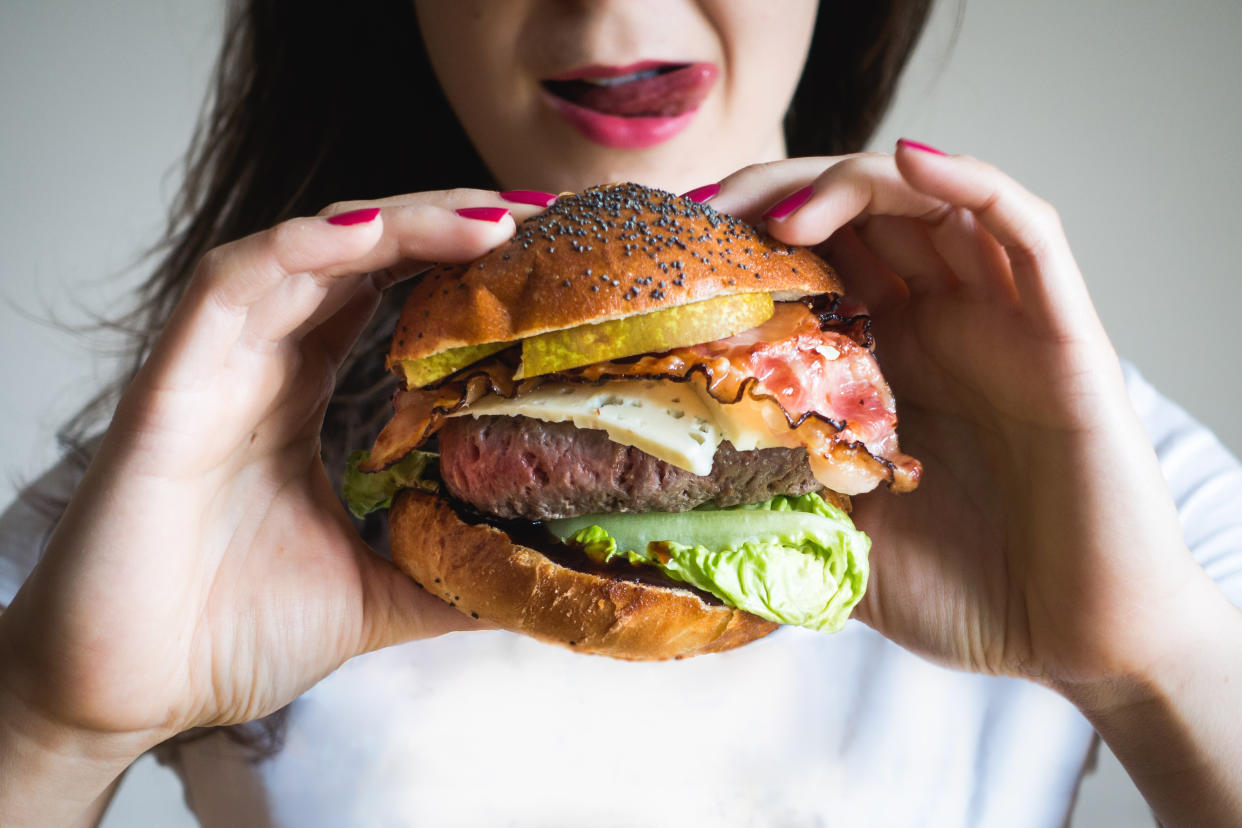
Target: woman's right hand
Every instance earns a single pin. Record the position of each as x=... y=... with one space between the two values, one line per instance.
x=205 y=572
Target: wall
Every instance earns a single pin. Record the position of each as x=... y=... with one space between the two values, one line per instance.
x=1125 y=116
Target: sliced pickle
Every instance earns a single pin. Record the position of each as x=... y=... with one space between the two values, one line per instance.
x=659 y=330
x=420 y=372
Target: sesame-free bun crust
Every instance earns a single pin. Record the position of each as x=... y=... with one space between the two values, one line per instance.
x=483 y=573
x=605 y=253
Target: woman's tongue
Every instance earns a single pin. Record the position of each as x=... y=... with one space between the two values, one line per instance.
x=662 y=95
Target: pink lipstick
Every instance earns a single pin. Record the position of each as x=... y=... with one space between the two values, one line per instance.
x=634 y=106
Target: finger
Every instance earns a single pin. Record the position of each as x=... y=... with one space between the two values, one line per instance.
x=397 y=610
x=856 y=187
x=523 y=203
x=747 y=193
x=210 y=318
x=420 y=228
x=1027 y=228
x=867 y=279
x=425 y=227
x=904 y=245
x=336 y=336
x=973 y=254
x=268 y=284
x=233 y=277
x=419 y=232
x=415 y=233
x=840 y=190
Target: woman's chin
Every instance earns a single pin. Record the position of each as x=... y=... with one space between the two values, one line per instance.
x=664 y=167
x=556 y=157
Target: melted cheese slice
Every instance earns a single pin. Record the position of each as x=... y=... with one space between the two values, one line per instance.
x=667 y=420
x=751 y=424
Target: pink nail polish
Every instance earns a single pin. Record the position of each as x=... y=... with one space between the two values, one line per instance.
x=492 y=214
x=790 y=203
x=905 y=142
x=354 y=217
x=537 y=198
x=702 y=194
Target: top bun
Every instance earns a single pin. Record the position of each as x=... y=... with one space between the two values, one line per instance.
x=604 y=253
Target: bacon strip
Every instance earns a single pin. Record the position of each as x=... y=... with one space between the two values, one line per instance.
x=825 y=383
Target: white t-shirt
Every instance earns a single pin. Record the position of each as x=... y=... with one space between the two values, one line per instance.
x=797 y=729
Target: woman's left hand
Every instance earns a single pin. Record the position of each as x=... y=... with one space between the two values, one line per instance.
x=1042 y=541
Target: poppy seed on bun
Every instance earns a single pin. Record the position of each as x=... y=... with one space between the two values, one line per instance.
x=748 y=440
x=605 y=253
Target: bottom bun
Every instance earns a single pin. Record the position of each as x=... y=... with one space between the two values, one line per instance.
x=483 y=573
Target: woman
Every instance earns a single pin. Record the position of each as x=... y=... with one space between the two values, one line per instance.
x=208 y=544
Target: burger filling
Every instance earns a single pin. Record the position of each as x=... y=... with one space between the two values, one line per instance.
x=705 y=461
x=523 y=468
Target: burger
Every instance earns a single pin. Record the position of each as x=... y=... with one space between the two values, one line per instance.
x=634 y=430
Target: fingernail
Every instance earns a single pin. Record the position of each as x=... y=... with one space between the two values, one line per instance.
x=701 y=194
x=492 y=214
x=789 y=203
x=906 y=142
x=354 y=217
x=536 y=197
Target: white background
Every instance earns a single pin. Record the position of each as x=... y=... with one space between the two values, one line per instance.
x=1126 y=116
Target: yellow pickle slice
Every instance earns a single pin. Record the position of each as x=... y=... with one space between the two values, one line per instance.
x=660 y=330
x=424 y=371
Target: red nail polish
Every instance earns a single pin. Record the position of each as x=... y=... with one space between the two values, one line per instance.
x=786 y=206
x=492 y=214
x=537 y=198
x=354 y=217
x=905 y=142
x=702 y=194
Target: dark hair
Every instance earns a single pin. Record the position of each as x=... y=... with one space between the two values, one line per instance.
x=857 y=54
x=301 y=114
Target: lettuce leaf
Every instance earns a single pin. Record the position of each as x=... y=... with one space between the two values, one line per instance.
x=793 y=560
x=366 y=492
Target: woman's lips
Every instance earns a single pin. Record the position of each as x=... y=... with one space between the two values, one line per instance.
x=631 y=107
x=643 y=90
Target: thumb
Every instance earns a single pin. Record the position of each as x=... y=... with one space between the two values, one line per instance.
x=397 y=610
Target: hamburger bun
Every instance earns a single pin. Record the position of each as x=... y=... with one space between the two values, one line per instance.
x=595 y=257
x=605 y=253
x=482 y=572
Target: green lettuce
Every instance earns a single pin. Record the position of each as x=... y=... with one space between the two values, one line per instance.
x=793 y=560
x=366 y=492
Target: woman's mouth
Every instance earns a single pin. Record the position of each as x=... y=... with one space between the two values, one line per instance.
x=631 y=107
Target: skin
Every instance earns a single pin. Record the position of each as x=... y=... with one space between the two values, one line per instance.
x=206 y=539
x=490 y=58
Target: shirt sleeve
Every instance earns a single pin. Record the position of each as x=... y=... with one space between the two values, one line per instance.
x=1204 y=478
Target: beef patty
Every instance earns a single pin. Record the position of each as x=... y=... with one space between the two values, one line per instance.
x=517 y=467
